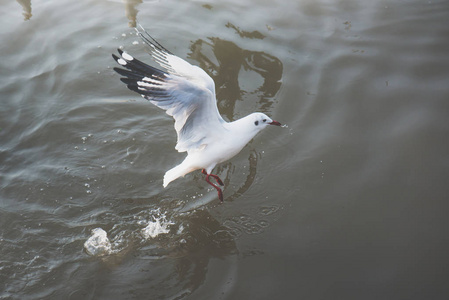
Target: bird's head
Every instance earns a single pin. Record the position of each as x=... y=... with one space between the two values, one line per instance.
x=261 y=120
x=252 y=124
x=258 y=121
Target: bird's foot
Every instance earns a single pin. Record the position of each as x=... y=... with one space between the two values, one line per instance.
x=220 y=195
x=220 y=192
x=217 y=179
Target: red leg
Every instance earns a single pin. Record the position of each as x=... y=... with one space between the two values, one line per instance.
x=220 y=192
x=217 y=179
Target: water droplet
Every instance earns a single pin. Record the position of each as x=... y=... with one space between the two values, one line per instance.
x=264 y=223
x=268 y=210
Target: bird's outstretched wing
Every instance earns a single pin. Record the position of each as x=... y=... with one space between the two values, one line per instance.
x=184 y=91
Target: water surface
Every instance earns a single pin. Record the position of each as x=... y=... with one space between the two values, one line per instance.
x=348 y=202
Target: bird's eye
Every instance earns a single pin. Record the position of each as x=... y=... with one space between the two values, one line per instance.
x=264 y=120
x=256 y=123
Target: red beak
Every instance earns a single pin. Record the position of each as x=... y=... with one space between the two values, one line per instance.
x=275 y=123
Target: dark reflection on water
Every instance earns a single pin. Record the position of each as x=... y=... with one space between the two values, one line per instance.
x=131 y=11
x=26 y=5
x=246 y=183
x=246 y=34
x=226 y=66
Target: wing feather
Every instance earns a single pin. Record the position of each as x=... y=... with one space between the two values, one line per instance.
x=184 y=91
x=174 y=64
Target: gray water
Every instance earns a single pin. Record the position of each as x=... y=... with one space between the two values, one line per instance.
x=350 y=201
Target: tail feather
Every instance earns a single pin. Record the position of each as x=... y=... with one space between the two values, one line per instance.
x=176 y=172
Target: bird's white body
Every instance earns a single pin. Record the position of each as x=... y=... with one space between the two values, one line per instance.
x=232 y=138
x=187 y=93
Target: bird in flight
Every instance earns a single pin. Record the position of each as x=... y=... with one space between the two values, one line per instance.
x=187 y=93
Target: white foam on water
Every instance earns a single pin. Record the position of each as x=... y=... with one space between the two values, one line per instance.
x=98 y=243
x=158 y=226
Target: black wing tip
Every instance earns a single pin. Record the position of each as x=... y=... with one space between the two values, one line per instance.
x=117 y=69
x=127 y=73
x=115 y=57
x=127 y=81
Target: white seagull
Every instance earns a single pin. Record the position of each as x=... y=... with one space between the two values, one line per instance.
x=187 y=94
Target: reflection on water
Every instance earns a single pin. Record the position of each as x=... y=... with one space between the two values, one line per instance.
x=26 y=5
x=246 y=34
x=229 y=64
x=246 y=184
x=206 y=239
x=131 y=11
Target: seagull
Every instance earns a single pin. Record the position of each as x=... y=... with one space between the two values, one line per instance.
x=187 y=93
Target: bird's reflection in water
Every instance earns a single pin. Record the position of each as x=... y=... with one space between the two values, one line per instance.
x=225 y=62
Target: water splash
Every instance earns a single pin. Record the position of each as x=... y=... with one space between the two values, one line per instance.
x=158 y=226
x=98 y=243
